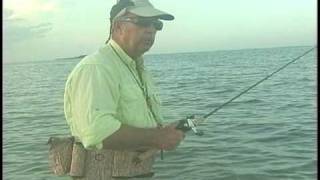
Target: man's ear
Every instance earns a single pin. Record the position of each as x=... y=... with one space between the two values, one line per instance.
x=118 y=28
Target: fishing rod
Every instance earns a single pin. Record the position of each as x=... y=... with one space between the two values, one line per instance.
x=192 y=121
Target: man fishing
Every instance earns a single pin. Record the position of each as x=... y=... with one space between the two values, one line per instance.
x=111 y=103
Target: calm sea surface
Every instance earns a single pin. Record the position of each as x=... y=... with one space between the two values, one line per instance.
x=268 y=133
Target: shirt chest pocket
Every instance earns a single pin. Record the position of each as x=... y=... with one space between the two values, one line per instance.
x=131 y=94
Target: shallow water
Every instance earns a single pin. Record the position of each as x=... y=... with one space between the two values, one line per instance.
x=268 y=133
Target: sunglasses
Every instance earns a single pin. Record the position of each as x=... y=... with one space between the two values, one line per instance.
x=144 y=22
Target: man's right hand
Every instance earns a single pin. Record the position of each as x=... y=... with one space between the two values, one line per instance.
x=168 y=137
x=137 y=139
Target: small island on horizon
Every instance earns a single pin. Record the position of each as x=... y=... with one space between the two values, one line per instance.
x=152 y=54
x=75 y=57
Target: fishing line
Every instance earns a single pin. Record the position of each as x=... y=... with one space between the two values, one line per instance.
x=257 y=83
x=191 y=122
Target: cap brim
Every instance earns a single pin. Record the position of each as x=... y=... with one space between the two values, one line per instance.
x=151 y=12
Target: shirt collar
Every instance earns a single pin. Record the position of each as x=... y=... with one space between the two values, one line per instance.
x=125 y=57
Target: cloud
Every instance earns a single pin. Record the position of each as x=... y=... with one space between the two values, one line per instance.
x=19 y=29
x=27 y=19
x=31 y=8
x=8 y=16
x=26 y=23
x=7 y=13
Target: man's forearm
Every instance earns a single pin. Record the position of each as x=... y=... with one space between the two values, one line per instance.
x=132 y=138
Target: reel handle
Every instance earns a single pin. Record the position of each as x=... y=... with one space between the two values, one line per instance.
x=183 y=125
x=187 y=124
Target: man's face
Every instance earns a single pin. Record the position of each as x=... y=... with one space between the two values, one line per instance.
x=138 y=38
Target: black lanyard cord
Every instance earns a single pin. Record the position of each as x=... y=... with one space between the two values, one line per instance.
x=139 y=82
x=144 y=90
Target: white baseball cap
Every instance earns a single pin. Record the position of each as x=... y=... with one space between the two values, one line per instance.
x=141 y=8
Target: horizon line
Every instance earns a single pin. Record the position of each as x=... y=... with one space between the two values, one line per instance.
x=154 y=54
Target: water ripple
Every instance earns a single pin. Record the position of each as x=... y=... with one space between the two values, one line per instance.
x=268 y=133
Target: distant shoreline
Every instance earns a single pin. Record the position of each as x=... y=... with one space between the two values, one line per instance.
x=76 y=57
x=151 y=54
x=155 y=54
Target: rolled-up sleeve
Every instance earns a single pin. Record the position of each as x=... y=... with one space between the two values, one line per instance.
x=94 y=96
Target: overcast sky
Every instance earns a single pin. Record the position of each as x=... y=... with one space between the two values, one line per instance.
x=36 y=30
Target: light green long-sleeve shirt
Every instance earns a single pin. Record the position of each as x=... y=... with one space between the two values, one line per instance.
x=101 y=93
